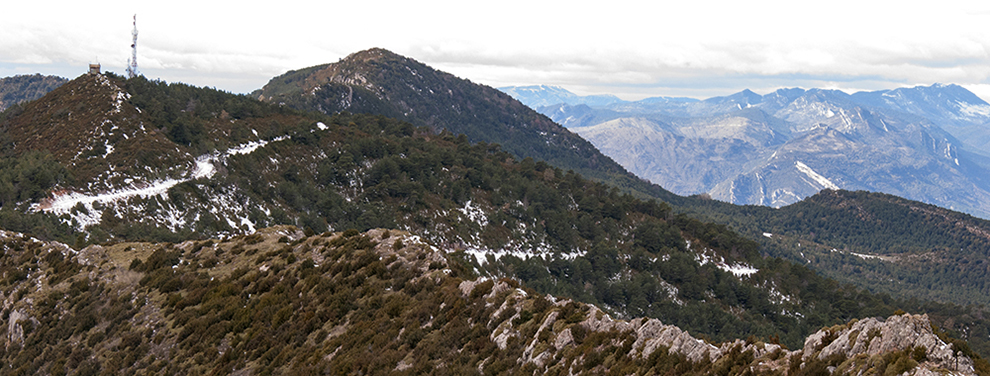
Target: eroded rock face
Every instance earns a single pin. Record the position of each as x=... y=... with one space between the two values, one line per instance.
x=854 y=348
x=542 y=357
x=652 y=334
x=871 y=337
x=564 y=338
x=15 y=332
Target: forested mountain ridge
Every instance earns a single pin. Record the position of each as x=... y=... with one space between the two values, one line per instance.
x=253 y=165
x=885 y=243
x=380 y=82
x=280 y=301
x=24 y=88
x=90 y=127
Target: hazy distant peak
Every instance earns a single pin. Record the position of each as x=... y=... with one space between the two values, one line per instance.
x=668 y=100
x=536 y=96
x=947 y=104
x=792 y=92
x=746 y=96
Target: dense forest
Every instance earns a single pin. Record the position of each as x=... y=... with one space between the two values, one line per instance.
x=885 y=243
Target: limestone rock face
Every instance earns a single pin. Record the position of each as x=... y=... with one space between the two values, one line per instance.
x=653 y=333
x=872 y=337
x=15 y=332
x=857 y=342
x=563 y=339
x=854 y=348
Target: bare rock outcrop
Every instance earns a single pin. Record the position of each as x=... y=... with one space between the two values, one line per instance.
x=904 y=343
x=652 y=334
x=15 y=332
x=871 y=337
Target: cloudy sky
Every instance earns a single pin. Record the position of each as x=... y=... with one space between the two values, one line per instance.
x=628 y=48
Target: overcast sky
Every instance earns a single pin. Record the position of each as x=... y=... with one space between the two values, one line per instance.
x=628 y=48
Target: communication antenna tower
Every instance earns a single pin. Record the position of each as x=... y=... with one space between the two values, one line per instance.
x=132 y=62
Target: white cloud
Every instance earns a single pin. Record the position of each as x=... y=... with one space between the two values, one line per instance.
x=981 y=90
x=656 y=48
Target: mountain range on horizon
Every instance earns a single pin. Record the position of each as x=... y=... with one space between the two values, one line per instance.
x=928 y=143
x=348 y=166
x=960 y=111
x=545 y=95
x=905 y=98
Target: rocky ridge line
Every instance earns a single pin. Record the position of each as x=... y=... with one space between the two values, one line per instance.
x=539 y=334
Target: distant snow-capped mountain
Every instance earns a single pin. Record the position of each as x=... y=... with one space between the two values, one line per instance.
x=951 y=104
x=957 y=110
x=923 y=143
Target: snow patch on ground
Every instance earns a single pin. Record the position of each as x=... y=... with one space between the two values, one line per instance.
x=481 y=254
x=737 y=269
x=108 y=147
x=573 y=255
x=777 y=297
x=204 y=167
x=866 y=257
x=250 y=147
x=821 y=180
x=63 y=203
x=474 y=213
x=974 y=110
x=118 y=97
x=87 y=213
x=521 y=251
x=250 y=225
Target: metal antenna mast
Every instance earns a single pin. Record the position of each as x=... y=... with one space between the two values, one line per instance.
x=132 y=62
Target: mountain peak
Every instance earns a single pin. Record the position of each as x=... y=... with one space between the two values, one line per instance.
x=747 y=95
x=742 y=99
x=792 y=92
x=380 y=82
x=957 y=109
x=90 y=126
x=372 y=54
